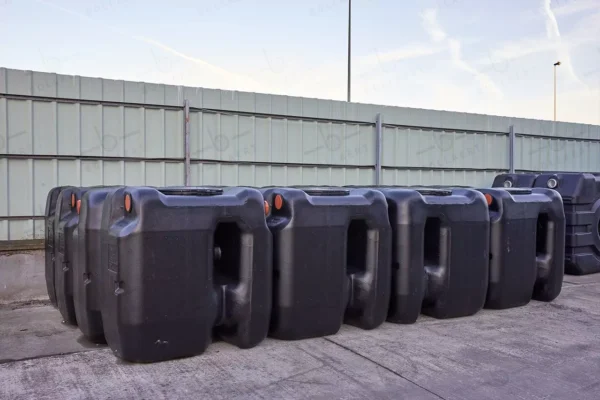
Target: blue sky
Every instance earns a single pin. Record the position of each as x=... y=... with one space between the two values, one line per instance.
x=492 y=57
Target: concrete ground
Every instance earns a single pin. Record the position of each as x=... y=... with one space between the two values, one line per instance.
x=22 y=277
x=540 y=351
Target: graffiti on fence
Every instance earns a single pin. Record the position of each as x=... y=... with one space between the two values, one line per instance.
x=335 y=143
x=5 y=143
x=442 y=141
x=557 y=144
x=449 y=154
x=107 y=142
x=221 y=143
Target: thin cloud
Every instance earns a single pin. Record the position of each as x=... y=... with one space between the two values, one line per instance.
x=585 y=32
x=520 y=48
x=370 y=72
x=576 y=7
x=551 y=23
x=438 y=35
x=249 y=84
x=198 y=61
x=553 y=33
x=404 y=53
x=431 y=25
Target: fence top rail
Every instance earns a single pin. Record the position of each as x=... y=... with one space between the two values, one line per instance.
x=34 y=84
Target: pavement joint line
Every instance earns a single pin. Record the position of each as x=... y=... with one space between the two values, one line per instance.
x=24 y=304
x=383 y=366
x=68 y=353
x=581 y=284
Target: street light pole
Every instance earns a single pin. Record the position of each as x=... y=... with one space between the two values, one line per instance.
x=349 y=43
x=556 y=64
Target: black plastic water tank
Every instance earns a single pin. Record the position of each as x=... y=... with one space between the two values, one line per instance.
x=440 y=252
x=580 y=194
x=180 y=262
x=331 y=259
x=527 y=235
x=524 y=180
x=86 y=271
x=65 y=243
x=49 y=242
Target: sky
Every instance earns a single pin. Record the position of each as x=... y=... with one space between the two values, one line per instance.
x=481 y=56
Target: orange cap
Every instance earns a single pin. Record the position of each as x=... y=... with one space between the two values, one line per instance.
x=72 y=200
x=278 y=202
x=267 y=208
x=128 y=202
x=78 y=206
x=488 y=198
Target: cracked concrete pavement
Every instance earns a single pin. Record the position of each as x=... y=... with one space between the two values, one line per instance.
x=542 y=350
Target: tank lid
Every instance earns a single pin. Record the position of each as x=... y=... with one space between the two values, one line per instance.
x=434 y=192
x=518 y=191
x=324 y=191
x=191 y=191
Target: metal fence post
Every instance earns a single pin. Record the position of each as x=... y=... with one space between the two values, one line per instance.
x=511 y=150
x=186 y=119
x=378 y=142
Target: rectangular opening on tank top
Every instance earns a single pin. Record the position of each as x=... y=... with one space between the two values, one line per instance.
x=541 y=235
x=356 y=247
x=226 y=254
x=434 y=192
x=325 y=191
x=518 y=191
x=191 y=191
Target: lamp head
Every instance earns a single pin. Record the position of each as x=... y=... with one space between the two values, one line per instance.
x=557 y=63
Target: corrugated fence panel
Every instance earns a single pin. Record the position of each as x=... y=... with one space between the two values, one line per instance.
x=432 y=177
x=19 y=140
x=223 y=137
x=134 y=140
x=72 y=130
x=435 y=149
x=76 y=87
x=3 y=125
x=551 y=128
x=263 y=175
x=44 y=179
x=542 y=154
x=28 y=181
x=44 y=127
x=112 y=131
x=71 y=141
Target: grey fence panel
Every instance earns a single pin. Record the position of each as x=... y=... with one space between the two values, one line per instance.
x=423 y=148
x=544 y=154
x=263 y=175
x=72 y=130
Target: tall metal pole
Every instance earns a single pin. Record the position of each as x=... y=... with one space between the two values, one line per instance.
x=186 y=132
x=378 y=144
x=511 y=150
x=555 y=93
x=555 y=65
x=349 y=44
